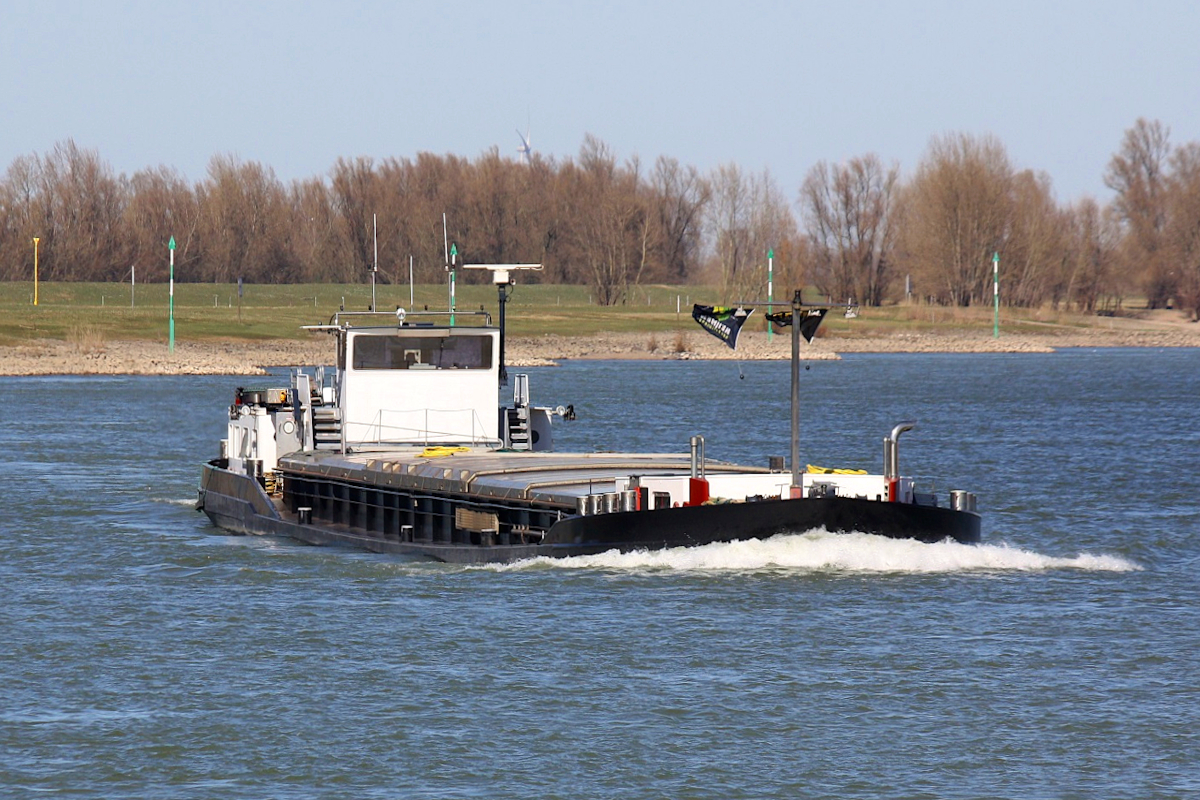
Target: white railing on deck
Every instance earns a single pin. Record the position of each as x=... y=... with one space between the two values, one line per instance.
x=387 y=427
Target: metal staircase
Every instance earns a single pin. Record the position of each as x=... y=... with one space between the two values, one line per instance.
x=327 y=428
x=518 y=416
x=518 y=428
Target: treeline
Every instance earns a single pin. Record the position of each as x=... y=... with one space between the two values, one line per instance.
x=864 y=228
x=856 y=230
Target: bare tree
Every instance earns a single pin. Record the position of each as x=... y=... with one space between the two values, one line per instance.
x=747 y=216
x=957 y=215
x=355 y=200
x=535 y=236
x=410 y=219
x=616 y=231
x=729 y=224
x=1137 y=173
x=849 y=222
x=18 y=201
x=242 y=222
x=160 y=205
x=1182 y=230
x=1036 y=248
x=315 y=248
x=1093 y=281
x=680 y=196
x=78 y=206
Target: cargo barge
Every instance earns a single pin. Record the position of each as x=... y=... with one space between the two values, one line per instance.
x=404 y=447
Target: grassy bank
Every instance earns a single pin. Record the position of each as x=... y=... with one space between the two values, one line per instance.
x=213 y=312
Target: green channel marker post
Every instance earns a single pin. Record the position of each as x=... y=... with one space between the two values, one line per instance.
x=171 y=312
x=36 y=239
x=770 y=286
x=453 y=261
x=996 y=294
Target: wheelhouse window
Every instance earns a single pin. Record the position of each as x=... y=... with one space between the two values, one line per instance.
x=422 y=352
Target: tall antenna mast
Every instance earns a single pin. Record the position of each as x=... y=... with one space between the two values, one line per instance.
x=445 y=240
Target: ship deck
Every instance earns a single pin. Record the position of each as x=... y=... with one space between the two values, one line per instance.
x=543 y=478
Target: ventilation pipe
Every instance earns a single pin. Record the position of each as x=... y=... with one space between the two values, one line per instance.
x=891 y=459
x=697 y=484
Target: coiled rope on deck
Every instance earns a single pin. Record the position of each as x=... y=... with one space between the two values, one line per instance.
x=441 y=451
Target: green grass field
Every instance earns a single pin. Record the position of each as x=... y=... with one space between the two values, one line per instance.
x=211 y=311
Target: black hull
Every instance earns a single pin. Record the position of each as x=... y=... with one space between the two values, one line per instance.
x=238 y=503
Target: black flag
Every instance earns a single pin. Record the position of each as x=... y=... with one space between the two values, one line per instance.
x=723 y=323
x=810 y=320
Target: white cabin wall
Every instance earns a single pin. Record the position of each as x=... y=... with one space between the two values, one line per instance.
x=252 y=436
x=418 y=405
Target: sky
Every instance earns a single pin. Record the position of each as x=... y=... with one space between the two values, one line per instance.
x=775 y=86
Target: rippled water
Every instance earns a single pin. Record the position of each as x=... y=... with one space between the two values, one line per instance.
x=147 y=654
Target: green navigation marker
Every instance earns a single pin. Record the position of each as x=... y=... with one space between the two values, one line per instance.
x=453 y=258
x=171 y=312
x=770 y=286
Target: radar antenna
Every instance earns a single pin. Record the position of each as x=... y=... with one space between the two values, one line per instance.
x=503 y=279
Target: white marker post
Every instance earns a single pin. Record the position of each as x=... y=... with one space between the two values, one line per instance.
x=171 y=312
x=451 y=253
x=996 y=293
x=770 y=285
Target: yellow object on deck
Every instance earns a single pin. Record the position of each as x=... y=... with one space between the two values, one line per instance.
x=440 y=451
x=814 y=470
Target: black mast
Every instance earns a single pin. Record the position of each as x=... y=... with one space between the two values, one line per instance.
x=503 y=289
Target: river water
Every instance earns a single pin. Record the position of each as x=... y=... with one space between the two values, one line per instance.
x=144 y=653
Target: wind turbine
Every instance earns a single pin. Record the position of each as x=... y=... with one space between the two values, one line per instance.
x=525 y=150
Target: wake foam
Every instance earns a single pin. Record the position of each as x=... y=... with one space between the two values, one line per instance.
x=820 y=551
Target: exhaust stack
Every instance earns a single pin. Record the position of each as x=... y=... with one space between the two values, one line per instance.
x=891 y=459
